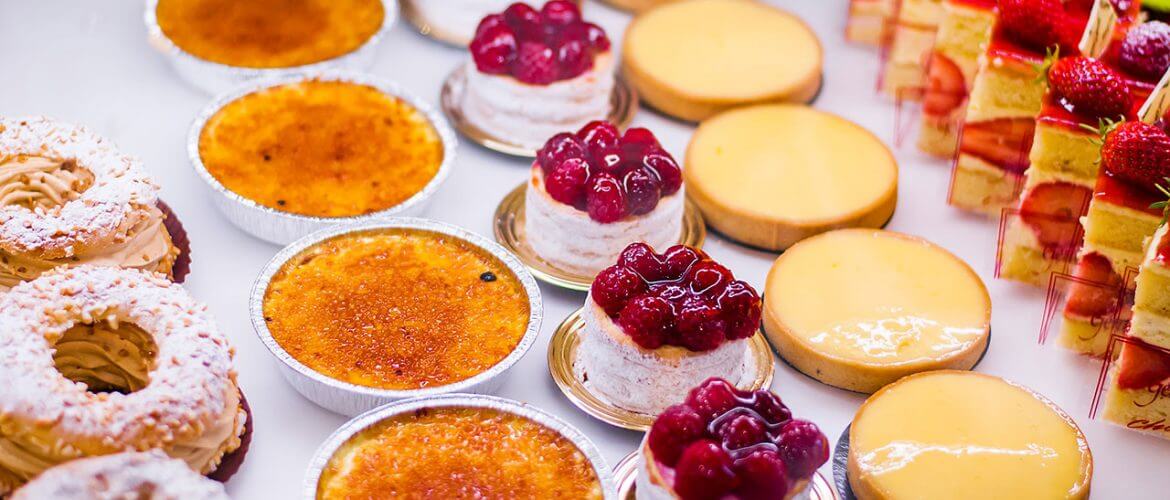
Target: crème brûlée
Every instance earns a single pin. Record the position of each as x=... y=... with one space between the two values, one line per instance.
x=965 y=435
x=396 y=309
x=772 y=175
x=454 y=452
x=696 y=58
x=322 y=148
x=860 y=308
x=269 y=33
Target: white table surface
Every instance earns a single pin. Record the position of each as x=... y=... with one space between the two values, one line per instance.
x=88 y=62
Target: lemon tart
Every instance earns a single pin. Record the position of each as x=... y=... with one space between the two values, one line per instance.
x=772 y=175
x=860 y=308
x=695 y=58
x=965 y=435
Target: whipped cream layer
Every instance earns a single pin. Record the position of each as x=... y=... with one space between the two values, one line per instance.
x=529 y=114
x=567 y=238
x=643 y=380
x=457 y=18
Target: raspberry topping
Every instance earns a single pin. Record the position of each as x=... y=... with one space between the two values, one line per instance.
x=625 y=174
x=680 y=298
x=1146 y=50
x=1138 y=153
x=1088 y=87
x=537 y=47
x=1041 y=24
x=721 y=445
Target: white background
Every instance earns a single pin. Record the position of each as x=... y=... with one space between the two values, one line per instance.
x=88 y=62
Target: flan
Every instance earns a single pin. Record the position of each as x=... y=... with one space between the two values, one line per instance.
x=912 y=37
x=965 y=435
x=695 y=58
x=454 y=452
x=269 y=33
x=963 y=33
x=772 y=175
x=396 y=309
x=861 y=308
x=322 y=148
x=1138 y=392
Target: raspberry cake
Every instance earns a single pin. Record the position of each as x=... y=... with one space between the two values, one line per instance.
x=962 y=36
x=657 y=324
x=965 y=435
x=726 y=443
x=593 y=192
x=1007 y=96
x=1138 y=394
x=913 y=32
x=1084 y=94
x=535 y=73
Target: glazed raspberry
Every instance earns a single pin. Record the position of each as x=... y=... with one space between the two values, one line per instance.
x=1089 y=87
x=762 y=475
x=567 y=183
x=494 y=49
x=1146 y=50
x=673 y=430
x=614 y=286
x=742 y=430
x=535 y=63
x=644 y=172
x=704 y=471
x=707 y=306
x=803 y=447
x=605 y=199
x=565 y=46
x=712 y=398
x=769 y=406
x=560 y=13
x=647 y=319
x=642 y=191
x=1036 y=24
x=642 y=259
x=741 y=306
x=560 y=148
x=1138 y=153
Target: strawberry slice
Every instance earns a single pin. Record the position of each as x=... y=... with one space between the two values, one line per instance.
x=1096 y=292
x=946 y=88
x=1053 y=211
x=1142 y=365
x=1003 y=142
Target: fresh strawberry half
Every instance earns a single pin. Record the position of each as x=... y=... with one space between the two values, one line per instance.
x=1003 y=142
x=1053 y=211
x=1088 y=87
x=1138 y=153
x=1040 y=24
x=1142 y=366
x=946 y=88
x=1096 y=293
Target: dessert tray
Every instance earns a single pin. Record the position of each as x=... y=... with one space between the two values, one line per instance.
x=153 y=98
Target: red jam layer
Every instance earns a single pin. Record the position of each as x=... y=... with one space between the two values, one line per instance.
x=1143 y=366
x=1118 y=192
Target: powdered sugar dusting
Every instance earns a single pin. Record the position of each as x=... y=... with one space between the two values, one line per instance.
x=189 y=386
x=124 y=475
x=121 y=188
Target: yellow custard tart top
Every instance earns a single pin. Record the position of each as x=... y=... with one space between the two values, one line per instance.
x=396 y=309
x=321 y=148
x=269 y=33
x=458 y=453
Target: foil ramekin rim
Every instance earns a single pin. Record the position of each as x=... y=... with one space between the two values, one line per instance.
x=372 y=417
x=387 y=87
x=532 y=290
x=171 y=49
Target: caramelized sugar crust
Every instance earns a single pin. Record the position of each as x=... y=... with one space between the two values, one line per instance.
x=322 y=148
x=458 y=453
x=269 y=33
x=397 y=309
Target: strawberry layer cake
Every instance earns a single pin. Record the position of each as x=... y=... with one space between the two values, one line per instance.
x=593 y=192
x=726 y=443
x=535 y=73
x=658 y=324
